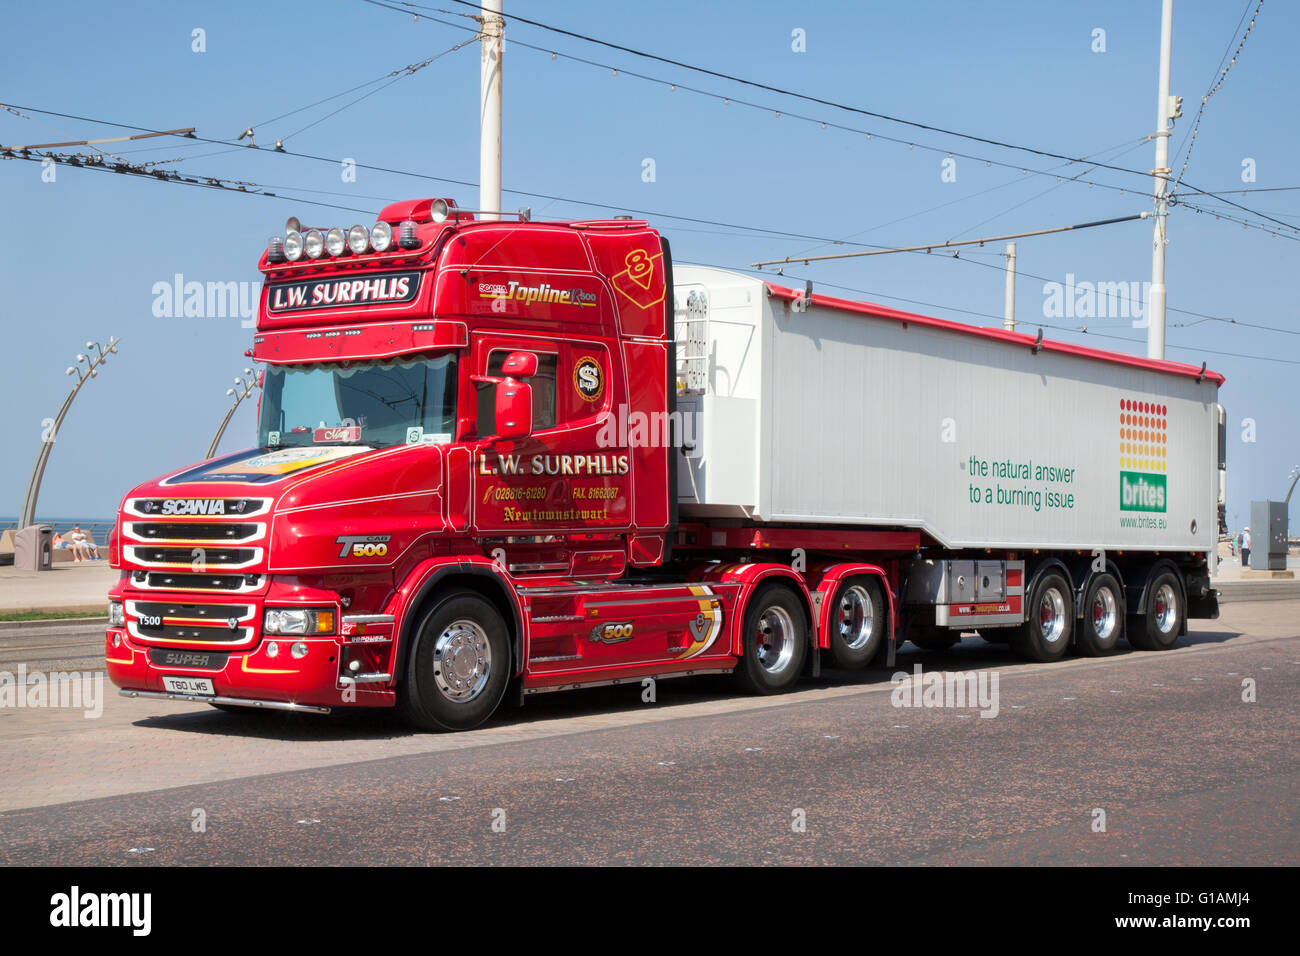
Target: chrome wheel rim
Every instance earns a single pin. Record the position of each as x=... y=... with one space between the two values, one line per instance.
x=462 y=661
x=774 y=639
x=1166 y=608
x=857 y=620
x=1105 y=613
x=1051 y=615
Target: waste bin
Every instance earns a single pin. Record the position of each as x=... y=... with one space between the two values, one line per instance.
x=34 y=548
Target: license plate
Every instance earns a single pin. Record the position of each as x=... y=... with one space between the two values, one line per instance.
x=189 y=685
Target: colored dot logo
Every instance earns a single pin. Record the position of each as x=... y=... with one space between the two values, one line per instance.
x=1143 y=435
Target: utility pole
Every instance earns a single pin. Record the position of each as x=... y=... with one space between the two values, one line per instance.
x=1009 y=315
x=1166 y=111
x=489 y=157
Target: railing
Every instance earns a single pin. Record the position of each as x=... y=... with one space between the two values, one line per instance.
x=97 y=531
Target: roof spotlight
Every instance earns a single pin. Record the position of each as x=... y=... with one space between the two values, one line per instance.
x=335 y=241
x=359 y=240
x=381 y=236
x=313 y=244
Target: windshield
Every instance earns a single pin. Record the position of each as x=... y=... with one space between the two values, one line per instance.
x=369 y=403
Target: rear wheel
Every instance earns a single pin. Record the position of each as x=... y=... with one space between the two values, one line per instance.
x=1103 y=616
x=1045 y=635
x=1158 y=627
x=458 y=666
x=774 y=641
x=858 y=623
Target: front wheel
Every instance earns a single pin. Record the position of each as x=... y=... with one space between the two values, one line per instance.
x=458 y=665
x=774 y=641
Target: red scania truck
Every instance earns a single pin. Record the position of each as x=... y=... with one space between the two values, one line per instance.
x=501 y=458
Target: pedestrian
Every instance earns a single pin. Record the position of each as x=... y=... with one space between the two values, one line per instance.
x=83 y=546
x=1245 y=546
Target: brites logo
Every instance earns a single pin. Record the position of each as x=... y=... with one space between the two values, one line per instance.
x=1143 y=455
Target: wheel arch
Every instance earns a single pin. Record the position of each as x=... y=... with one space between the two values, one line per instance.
x=831 y=580
x=1139 y=580
x=479 y=576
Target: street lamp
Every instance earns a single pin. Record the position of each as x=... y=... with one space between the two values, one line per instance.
x=28 y=514
x=1294 y=476
x=241 y=391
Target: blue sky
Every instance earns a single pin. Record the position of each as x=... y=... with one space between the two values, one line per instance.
x=85 y=251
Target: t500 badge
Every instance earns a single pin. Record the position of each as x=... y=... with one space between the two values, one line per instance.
x=612 y=633
x=363 y=545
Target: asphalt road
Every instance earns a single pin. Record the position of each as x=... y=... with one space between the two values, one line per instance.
x=1184 y=769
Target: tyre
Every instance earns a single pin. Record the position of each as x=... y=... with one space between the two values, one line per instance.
x=859 y=623
x=1045 y=635
x=1102 y=618
x=1157 y=628
x=458 y=665
x=774 y=641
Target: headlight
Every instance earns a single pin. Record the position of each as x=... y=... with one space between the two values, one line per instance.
x=306 y=621
x=313 y=244
x=335 y=242
x=115 y=616
x=359 y=240
x=293 y=246
x=381 y=236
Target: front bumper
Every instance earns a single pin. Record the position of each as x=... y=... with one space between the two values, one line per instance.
x=311 y=682
x=233 y=701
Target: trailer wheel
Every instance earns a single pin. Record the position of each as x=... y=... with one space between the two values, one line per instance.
x=458 y=666
x=1156 y=629
x=1045 y=635
x=858 y=623
x=774 y=641
x=1103 y=616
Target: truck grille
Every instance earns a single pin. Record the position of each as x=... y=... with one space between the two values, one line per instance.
x=170 y=581
x=185 y=622
x=186 y=531
x=193 y=557
x=206 y=507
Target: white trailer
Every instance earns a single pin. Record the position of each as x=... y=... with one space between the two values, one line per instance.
x=816 y=411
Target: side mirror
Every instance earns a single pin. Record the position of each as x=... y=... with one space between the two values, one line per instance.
x=514 y=408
